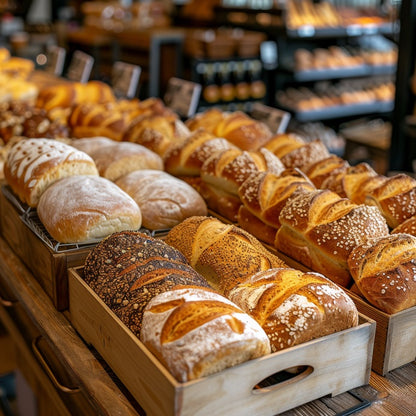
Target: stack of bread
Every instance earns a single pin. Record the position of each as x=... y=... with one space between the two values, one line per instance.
x=190 y=328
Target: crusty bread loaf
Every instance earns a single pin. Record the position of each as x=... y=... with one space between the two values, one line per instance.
x=326 y=168
x=89 y=145
x=243 y=131
x=32 y=165
x=264 y=194
x=223 y=253
x=284 y=143
x=81 y=208
x=195 y=333
x=89 y=119
x=406 y=227
x=395 y=198
x=319 y=229
x=187 y=158
x=116 y=159
x=128 y=268
x=294 y=307
x=164 y=200
x=384 y=271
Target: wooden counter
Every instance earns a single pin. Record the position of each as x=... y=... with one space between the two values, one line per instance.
x=72 y=379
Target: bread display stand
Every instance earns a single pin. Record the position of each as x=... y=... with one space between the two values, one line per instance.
x=395 y=337
x=332 y=365
x=47 y=263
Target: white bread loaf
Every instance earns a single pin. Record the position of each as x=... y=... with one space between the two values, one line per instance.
x=195 y=332
x=294 y=307
x=82 y=208
x=32 y=165
x=164 y=200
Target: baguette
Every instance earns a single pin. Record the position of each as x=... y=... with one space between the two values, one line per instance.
x=295 y=307
x=384 y=271
x=223 y=253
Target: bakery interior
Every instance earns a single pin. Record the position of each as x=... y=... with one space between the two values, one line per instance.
x=207 y=207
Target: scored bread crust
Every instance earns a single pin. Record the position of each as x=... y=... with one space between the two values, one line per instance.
x=32 y=165
x=223 y=253
x=320 y=229
x=384 y=270
x=164 y=200
x=80 y=208
x=294 y=307
x=195 y=333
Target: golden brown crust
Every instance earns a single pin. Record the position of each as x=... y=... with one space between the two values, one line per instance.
x=281 y=144
x=206 y=120
x=243 y=131
x=395 y=198
x=295 y=307
x=326 y=168
x=320 y=229
x=224 y=254
x=384 y=271
x=264 y=194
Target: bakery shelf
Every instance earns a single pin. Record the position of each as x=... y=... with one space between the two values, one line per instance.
x=341 y=111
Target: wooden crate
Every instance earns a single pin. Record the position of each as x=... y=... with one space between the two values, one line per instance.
x=395 y=339
x=49 y=267
x=334 y=364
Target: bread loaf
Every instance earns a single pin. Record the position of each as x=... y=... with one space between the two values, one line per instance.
x=243 y=131
x=206 y=120
x=32 y=165
x=282 y=144
x=395 y=198
x=320 y=229
x=295 y=307
x=324 y=169
x=128 y=268
x=384 y=270
x=164 y=200
x=187 y=158
x=195 y=333
x=116 y=159
x=224 y=254
x=83 y=208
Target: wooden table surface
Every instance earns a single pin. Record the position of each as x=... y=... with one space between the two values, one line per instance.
x=394 y=394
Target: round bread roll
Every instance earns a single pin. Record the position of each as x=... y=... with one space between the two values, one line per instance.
x=32 y=165
x=116 y=159
x=83 y=208
x=384 y=270
x=164 y=200
x=295 y=307
x=195 y=332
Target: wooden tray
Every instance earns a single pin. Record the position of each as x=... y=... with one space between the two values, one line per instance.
x=334 y=364
x=48 y=266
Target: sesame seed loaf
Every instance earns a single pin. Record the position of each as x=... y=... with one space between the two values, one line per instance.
x=127 y=269
x=384 y=270
x=32 y=165
x=194 y=333
x=223 y=253
x=294 y=307
x=83 y=208
x=319 y=229
x=395 y=198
